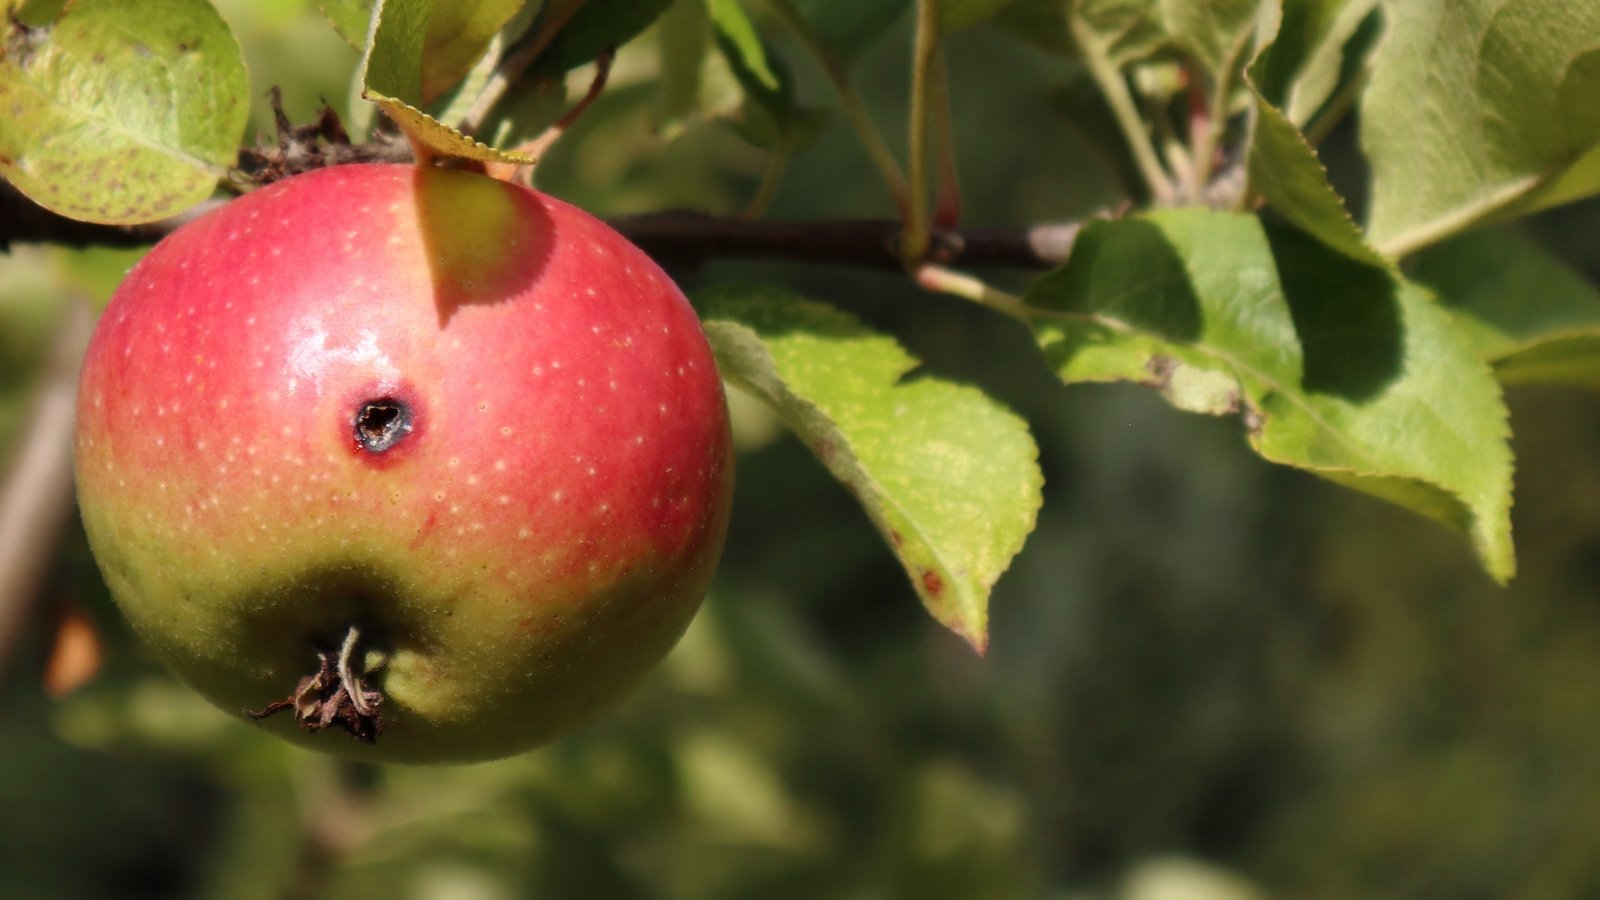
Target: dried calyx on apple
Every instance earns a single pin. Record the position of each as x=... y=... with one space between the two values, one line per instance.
x=487 y=478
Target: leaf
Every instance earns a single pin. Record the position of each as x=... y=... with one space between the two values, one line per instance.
x=1214 y=32
x=770 y=119
x=351 y=18
x=392 y=66
x=847 y=27
x=392 y=78
x=458 y=33
x=1126 y=31
x=948 y=476
x=683 y=44
x=1480 y=110
x=768 y=95
x=1536 y=319
x=429 y=136
x=1337 y=367
x=120 y=112
x=455 y=35
x=747 y=55
x=1285 y=170
x=1321 y=47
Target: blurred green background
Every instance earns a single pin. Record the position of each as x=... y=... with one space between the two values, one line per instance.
x=1208 y=679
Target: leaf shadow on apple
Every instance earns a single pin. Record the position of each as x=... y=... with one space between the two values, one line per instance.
x=483 y=244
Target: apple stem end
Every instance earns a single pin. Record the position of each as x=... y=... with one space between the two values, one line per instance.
x=336 y=694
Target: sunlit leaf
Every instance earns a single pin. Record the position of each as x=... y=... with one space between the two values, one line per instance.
x=1480 y=110
x=948 y=476
x=122 y=112
x=1336 y=367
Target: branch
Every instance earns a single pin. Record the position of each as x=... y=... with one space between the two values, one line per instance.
x=676 y=237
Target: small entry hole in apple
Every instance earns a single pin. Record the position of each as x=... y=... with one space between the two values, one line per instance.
x=381 y=423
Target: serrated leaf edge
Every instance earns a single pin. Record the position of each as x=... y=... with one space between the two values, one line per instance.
x=844 y=463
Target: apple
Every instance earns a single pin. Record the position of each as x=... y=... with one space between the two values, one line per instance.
x=404 y=452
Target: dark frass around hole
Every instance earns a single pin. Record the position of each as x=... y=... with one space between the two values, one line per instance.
x=381 y=423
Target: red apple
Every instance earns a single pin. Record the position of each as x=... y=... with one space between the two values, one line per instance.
x=457 y=429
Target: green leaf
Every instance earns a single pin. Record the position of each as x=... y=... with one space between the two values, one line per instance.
x=1529 y=314
x=1214 y=32
x=392 y=67
x=684 y=42
x=454 y=36
x=847 y=27
x=392 y=78
x=1126 y=31
x=122 y=112
x=747 y=56
x=1320 y=48
x=1285 y=170
x=948 y=476
x=1336 y=367
x=429 y=136
x=1480 y=110
x=458 y=33
x=351 y=18
x=598 y=25
x=770 y=119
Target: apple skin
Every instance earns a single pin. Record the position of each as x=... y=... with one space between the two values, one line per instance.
x=522 y=557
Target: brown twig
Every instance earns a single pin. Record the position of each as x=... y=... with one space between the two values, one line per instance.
x=683 y=237
x=870 y=243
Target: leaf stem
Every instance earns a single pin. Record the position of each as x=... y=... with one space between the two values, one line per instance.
x=1215 y=122
x=947 y=199
x=958 y=284
x=924 y=61
x=871 y=138
x=1123 y=108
